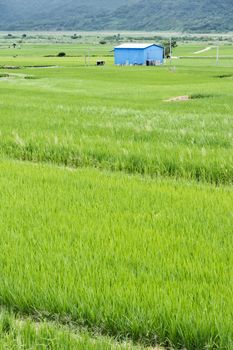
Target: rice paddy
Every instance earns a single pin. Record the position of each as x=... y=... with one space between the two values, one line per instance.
x=116 y=204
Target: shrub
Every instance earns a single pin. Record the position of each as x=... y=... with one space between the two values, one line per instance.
x=61 y=54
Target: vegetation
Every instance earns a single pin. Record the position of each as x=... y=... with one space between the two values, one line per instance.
x=125 y=255
x=191 y=16
x=61 y=54
x=169 y=47
x=136 y=133
x=25 y=333
x=180 y=15
x=116 y=200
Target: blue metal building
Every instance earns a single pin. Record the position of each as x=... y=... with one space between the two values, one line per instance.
x=138 y=54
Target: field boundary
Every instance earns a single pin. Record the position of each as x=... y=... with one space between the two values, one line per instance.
x=38 y=320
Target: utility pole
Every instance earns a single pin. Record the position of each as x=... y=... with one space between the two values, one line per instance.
x=170 y=51
x=217 y=55
x=85 y=55
x=87 y=58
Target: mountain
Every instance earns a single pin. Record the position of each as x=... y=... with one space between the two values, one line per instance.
x=146 y=15
x=183 y=15
x=55 y=14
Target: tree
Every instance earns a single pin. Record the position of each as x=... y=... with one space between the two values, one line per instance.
x=61 y=54
x=166 y=45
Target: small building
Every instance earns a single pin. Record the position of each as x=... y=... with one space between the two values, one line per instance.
x=139 y=54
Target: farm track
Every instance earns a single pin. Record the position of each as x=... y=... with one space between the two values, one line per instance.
x=203 y=50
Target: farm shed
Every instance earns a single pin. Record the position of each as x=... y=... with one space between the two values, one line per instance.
x=138 y=54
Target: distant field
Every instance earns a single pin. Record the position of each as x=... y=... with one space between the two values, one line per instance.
x=204 y=50
x=43 y=50
x=116 y=201
x=117 y=118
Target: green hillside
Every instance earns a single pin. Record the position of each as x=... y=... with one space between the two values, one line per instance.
x=182 y=15
x=195 y=15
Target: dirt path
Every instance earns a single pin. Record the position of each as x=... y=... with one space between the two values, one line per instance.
x=178 y=99
x=204 y=50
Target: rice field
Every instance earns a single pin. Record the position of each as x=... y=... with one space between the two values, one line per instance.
x=78 y=117
x=116 y=201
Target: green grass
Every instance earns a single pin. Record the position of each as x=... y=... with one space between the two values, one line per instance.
x=191 y=50
x=123 y=226
x=126 y=255
x=25 y=333
x=42 y=50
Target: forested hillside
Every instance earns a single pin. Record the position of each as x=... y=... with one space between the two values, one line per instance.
x=182 y=15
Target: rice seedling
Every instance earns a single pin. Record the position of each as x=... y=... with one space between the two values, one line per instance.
x=129 y=256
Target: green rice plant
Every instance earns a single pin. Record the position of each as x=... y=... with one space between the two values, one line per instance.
x=4 y=75
x=199 y=96
x=79 y=116
x=125 y=255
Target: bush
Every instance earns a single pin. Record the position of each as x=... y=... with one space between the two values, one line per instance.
x=75 y=36
x=61 y=54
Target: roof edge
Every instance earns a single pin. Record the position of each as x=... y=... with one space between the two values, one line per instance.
x=123 y=46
